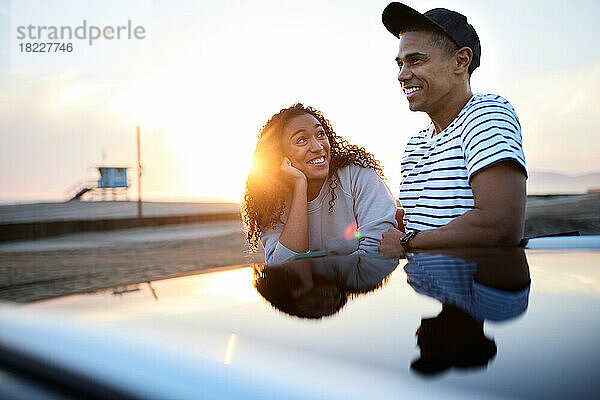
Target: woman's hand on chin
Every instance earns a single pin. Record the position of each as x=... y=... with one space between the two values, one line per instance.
x=294 y=175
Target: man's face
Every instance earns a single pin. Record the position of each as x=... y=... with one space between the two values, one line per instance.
x=425 y=72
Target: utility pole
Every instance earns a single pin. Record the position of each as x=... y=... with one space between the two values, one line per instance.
x=139 y=157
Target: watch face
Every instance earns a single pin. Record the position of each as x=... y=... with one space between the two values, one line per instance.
x=406 y=237
x=404 y=242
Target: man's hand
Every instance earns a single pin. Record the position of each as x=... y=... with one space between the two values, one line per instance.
x=390 y=243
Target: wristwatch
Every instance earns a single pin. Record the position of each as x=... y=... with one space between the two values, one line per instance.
x=405 y=240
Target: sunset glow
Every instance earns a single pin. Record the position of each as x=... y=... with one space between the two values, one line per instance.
x=208 y=75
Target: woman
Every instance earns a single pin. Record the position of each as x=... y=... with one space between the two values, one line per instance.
x=319 y=287
x=310 y=190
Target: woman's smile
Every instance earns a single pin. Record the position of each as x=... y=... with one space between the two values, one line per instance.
x=307 y=146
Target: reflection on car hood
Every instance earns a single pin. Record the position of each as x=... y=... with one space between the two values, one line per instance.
x=499 y=323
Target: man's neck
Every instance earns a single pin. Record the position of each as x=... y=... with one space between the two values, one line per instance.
x=442 y=118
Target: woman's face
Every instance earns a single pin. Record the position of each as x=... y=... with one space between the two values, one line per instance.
x=306 y=145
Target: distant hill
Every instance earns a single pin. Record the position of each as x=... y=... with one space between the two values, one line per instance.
x=553 y=182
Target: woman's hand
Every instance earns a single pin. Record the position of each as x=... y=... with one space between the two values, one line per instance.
x=291 y=173
x=400 y=219
x=295 y=232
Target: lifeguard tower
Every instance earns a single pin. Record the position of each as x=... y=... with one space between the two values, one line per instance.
x=113 y=180
x=112 y=183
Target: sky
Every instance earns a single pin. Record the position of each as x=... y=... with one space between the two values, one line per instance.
x=207 y=75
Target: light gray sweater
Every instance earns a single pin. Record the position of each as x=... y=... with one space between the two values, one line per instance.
x=362 y=198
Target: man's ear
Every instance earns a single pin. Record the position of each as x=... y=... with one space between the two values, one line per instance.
x=463 y=57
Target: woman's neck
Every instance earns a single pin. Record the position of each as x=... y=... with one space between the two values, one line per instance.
x=314 y=187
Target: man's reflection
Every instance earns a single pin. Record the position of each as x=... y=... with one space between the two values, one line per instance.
x=320 y=287
x=483 y=285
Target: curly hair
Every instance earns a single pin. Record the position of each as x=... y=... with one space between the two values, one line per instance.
x=278 y=284
x=266 y=189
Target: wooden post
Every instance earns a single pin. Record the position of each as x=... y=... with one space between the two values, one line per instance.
x=139 y=173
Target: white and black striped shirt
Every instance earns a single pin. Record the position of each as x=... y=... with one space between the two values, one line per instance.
x=452 y=280
x=436 y=170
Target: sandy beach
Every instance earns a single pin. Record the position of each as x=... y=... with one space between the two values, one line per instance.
x=115 y=260
x=42 y=269
x=75 y=210
x=553 y=214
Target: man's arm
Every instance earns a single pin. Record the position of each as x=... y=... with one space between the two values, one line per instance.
x=497 y=218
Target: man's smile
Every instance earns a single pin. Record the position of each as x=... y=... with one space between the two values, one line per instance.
x=409 y=91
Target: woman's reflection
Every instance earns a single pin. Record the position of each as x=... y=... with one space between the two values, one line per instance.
x=320 y=287
x=483 y=285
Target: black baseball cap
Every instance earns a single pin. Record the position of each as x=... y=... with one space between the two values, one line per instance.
x=397 y=17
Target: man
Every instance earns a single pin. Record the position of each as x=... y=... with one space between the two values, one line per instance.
x=463 y=177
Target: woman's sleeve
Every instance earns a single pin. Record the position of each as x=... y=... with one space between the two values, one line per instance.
x=374 y=209
x=275 y=252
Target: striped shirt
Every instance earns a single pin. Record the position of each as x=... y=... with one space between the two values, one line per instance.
x=452 y=280
x=436 y=170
